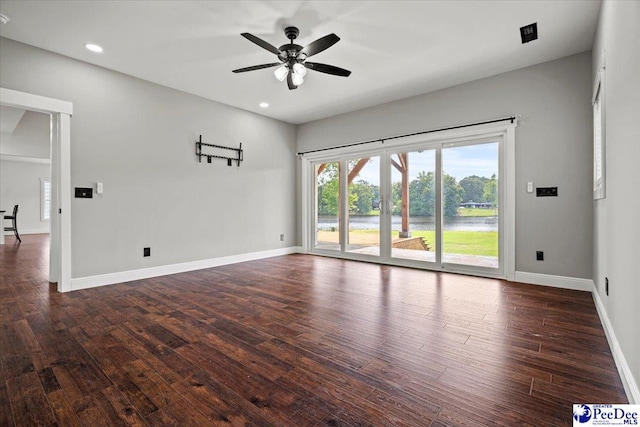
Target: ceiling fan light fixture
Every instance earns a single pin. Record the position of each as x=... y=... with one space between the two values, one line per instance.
x=292 y=66
x=297 y=79
x=281 y=72
x=300 y=69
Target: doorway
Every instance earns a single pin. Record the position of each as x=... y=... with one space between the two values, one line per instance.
x=60 y=221
x=439 y=204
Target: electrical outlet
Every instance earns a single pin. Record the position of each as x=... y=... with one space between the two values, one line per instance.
x=539 y=256
x=606 y=286
x=146 y=252
x=282 y=237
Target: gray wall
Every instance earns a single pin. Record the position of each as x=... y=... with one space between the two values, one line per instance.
x=20 y=180
x=137 y=138
x=553 y=148
x=617 y=217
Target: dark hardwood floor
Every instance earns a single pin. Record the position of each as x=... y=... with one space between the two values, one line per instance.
x=295 y=341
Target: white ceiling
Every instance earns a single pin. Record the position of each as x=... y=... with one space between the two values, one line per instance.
x=395 y=49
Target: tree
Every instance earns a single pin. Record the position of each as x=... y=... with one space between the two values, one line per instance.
x=363 y=193
x=452 y=195
x=328 y=200
x=422 y=195
x=473 y=187
x=491 y=191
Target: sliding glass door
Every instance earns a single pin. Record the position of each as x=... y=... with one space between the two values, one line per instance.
x=470 y=205
x=413 y=205
x=327 y=206
x=435 y=205
x=349 y=223
x=363 y=211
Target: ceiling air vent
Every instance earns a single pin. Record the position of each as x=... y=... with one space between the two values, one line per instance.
x=529 y=32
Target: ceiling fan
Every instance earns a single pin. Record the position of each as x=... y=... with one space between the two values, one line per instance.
x=293 y=63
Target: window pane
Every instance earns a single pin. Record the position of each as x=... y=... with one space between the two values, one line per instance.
x=45 y=197
x=364 y=214
x=470 y=189
x=328 y=206
x=413 y=195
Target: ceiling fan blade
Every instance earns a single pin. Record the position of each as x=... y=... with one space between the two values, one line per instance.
x=263 y=44
x=319 y=45
x=256 y=67
x=290 y=82
x=329 y=69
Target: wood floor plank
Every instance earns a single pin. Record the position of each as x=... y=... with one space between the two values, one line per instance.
x=28 y=401
x=61 y=407
x=296 y=340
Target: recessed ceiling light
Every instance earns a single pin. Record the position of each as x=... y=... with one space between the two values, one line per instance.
x=3 y=19
x=264 y=104
x=93 y=47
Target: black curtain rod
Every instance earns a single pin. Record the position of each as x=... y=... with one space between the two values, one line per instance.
x=382 y=140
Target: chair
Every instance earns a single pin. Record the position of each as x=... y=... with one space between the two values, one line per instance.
x=14 y=223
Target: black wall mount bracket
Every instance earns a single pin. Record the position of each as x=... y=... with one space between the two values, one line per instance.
x=215 y=152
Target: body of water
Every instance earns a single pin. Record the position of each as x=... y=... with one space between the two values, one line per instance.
x=460 y=223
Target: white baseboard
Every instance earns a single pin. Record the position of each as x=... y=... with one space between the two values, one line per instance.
x=574 y=283
x=629 y=383
x=24 y=232
x=163 y=270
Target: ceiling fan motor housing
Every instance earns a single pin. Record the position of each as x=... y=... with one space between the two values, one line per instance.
x=291 y=32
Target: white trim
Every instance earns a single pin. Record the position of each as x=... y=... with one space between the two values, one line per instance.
x=29 y=101
x=509 y=224
x=629 y=383
x=565 y=282
x=25 y=159
x=504 y=129
x=163 y=270
x=60 y=228
x=408 y=142
x=64 y=200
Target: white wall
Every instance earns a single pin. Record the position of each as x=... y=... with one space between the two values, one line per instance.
x=20 y=185
x=553 y=148
x=28 y=147
x=30 y=138
x=138 y=139
x=617 y=217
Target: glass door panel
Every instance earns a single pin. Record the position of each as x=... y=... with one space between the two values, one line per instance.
x=413 y=205
x=470 y=189
x=363 y=213
x=327 y=208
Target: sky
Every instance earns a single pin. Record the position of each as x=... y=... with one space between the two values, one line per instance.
x=460 y=162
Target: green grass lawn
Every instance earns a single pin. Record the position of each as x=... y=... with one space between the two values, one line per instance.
x=458 y=242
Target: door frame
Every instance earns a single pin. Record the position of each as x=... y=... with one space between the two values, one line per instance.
x=481 y=131
x=60 y=228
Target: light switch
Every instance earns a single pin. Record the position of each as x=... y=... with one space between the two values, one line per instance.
x=99 y=188
x=529 y=187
